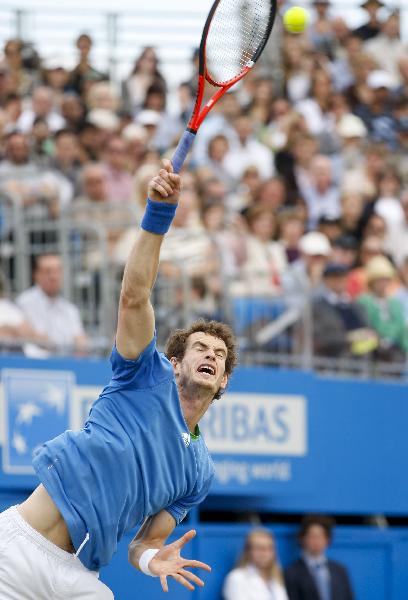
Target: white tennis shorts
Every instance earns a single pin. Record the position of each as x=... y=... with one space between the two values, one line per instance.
x=33 y=568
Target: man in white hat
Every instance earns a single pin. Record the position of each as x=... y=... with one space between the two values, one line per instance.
x=304 y=276
x=352 y=133
x=377 y=113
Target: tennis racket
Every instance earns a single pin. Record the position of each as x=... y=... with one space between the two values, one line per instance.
x=234 y=35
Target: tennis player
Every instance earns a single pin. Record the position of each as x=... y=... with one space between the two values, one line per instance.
x=139 y=460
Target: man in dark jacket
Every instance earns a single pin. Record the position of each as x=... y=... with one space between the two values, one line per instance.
x=313 y=576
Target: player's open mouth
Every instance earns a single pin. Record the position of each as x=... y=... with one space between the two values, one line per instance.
x=206 y=369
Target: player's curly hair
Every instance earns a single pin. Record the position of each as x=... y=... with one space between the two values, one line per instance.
x=177 y=343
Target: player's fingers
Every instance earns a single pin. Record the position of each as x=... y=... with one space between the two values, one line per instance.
x=167 y=164
x=175 y=179
x=191 y=576
x=185 y=538
x=183 y=581
x=164 y=181
x=163 y=581
x=159 y=188
x=196 y=564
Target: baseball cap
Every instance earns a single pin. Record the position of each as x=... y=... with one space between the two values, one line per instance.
x=148 y=117
x=380 y=79
x=351 y=126
x=335 y=270
x=315 y=243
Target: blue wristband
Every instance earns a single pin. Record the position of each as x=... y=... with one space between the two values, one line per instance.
x=158 y=216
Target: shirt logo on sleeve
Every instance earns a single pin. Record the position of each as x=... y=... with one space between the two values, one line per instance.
x=186 y=439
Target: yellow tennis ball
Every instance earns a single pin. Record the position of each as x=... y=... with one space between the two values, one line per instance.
x=295 y=19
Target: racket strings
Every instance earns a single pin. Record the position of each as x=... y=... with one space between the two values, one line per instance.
x=237 y=31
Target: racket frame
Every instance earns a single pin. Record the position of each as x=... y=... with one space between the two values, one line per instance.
x=198 y=116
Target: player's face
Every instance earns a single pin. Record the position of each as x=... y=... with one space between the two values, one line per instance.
x=203 y=363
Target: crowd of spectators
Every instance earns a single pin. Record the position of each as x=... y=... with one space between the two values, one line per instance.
x=296 y=187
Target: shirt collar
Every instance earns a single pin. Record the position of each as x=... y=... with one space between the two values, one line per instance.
x=314 y=561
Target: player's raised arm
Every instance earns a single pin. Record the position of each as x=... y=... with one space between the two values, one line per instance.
x=136 y=317
x=148 y=553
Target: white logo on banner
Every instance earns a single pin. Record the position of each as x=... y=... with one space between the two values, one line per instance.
x=257 y=424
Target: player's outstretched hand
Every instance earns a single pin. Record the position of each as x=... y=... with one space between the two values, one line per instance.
x=169 y=563
x=165 y=187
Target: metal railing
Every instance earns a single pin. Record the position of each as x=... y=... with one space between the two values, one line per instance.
x=270 y=330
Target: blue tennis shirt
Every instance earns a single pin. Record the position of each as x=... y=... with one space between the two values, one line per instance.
x=134 y=457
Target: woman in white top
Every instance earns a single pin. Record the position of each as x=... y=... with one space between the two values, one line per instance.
x=265 y=258
x=258 y=575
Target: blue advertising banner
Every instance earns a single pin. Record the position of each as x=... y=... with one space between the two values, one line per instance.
x=284 y=440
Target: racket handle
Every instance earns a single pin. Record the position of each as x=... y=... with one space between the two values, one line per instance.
x=182 y=149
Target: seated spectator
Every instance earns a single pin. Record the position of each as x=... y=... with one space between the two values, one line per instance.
x=218 y=147
x=384 y=314
x=321 y=195
x=345 y=249
x=363 y=179
x=16 y=333
x=119 y=181
x=13 y=108
x=95 y=206
x=298 y=68
x=84 y=73
x=401 y=293
x=330 y=227
x=340 y=327
x=42 y=105
x=73 y=111
x=261 y=273
x=376 y=111
x=352 y=133
x=294 y=164
x=227 y=242
x=145 y=73
x=342 y=67
x=316 y=109
x=41 y=192
x=387 y=47
x=248 y=152
x=313 y=576
x=372 y=27
x=187 y=247
x=396 y=241
x=257 y=575
x=65 y=157
x=291 y=230
x=357 y=278
x=304 y=276
x=103 y=95
x=271 y=194
x=320 y=31
x=56 y=77
x=24 y=76
x=352 y=206
x=41 y=144
x=135 y=137
x=168 y=128
x=48 y=312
